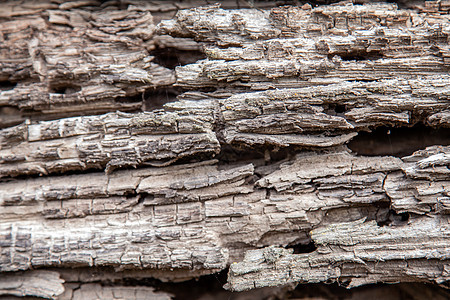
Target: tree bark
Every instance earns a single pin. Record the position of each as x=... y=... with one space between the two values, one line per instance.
x=117 y=167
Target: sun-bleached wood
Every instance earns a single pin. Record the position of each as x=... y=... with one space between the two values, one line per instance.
x=92 y=196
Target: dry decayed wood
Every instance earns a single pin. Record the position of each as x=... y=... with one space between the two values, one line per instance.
x=298 y=77
x=111 y=140
x=70 y=60
x=199 y=217
x=45 y=284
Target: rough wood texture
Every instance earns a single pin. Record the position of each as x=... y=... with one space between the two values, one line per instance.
x=245 y=169
x=292 y=46
x=72 y=60
x=44 y=284
x=64 y=58
x=353 y=253
x=105 y=141
x=200 y=217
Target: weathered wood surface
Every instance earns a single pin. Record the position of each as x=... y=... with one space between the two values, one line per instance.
x=105 y=141
x=68 y=59
x=93 y=197
x=354 y=254
x=45 y=284
x=199 y=217
x=60 y=58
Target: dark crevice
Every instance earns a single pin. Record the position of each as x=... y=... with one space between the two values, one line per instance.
x=58 y=173
x=360 y=55
x=171 y=57
x=7 y=85
x=339 y=291
x=156 y=98
x=303 y=248
x=191 y=289
x=398 y=142
x=65 y=89
x=268 y=155
x=395 y=219
x=210 y=287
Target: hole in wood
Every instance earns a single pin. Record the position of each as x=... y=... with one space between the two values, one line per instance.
x=156 y=98
x=399 y=142
x=65 y=89
x=335 y=109
x=7 y=85
x=303 y=248
x=171 y=58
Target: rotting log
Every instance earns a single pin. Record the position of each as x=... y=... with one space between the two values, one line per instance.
x=243 y=168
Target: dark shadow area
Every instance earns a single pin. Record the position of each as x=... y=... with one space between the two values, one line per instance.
x=171 y=57
x=360 y=55
x=268 y=154
x=156 y=98
x=192 y=289
x=338 y=291
x=210 y=287
x=64 y=89
x=335 y=109
x=399 y=142
x=7 y=85
x=303 y=248
x=395 y=219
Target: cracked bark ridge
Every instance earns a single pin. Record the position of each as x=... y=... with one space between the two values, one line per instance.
x=84 y=57
x=304 y=117
x=199 y=218
x=336 y=70
x=354 y=253
x=422 y=187
x=97 y=291
x=291 y=46
x=76 y=59
x=106 y=141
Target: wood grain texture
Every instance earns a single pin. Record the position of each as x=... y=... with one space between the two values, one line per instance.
x=203 y=217
x=106 y=141
x=353 y=253
x=244 y=169
x=43 y=284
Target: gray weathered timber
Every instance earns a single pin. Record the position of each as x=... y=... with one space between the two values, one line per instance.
x=44 y=284
x=292 y=46
x=246 y=160
x=353 y=253
x=98 y=291
x=299 y=117
x=84 y=57
x=199 y=216
x=106 y=141
x=71 y=60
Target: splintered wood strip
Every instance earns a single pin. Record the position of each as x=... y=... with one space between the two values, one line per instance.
x=106 y=142
x=38 y=283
